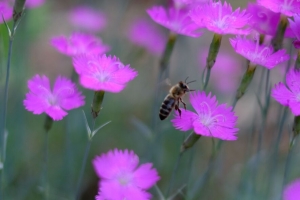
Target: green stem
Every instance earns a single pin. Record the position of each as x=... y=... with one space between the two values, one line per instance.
x=46 y=146
x=165 y=59
x=173 y=174
x=278 y=38
x=47 y=126
x=86 y=153
x=5 y=96
x=212 y=56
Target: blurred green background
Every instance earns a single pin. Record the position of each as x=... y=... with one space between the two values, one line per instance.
x=239 y=175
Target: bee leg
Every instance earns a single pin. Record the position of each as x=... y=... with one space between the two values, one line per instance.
x=178 y=109
x=184 y=105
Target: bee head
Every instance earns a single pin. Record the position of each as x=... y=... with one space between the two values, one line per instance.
x=184 y=86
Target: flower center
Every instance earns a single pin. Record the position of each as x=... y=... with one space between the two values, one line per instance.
x=52 y=100
x=205 y=115
x=102 y=76
x=124 y=179
x=221 y=22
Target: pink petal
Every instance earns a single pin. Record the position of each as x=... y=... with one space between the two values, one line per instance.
x=39 y=85
x=80 y=63
x=293 y=81
x=56 y=113
x=60 y=43
x=87 y=18
x=35 y=104
x=201 y=102
x=108 y=165
x=66 y=91
x=115 y=191
x=292 y=190
x=177 y=20
x=95 y=84
x=281 y=94
x=185 y=121
x=124 y=75
x=145 y=177
x=294 y=105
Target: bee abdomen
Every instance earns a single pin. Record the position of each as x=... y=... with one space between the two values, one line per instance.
x=166 y=107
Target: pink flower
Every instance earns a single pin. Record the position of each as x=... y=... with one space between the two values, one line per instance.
x=211 y=119
x=121 y=178
x=6 y=11
x=289 y=95
x=79 y=43
x=220 y=18
x=258 y=54
x=40 y=98
x=34 y=3
x=292 y=191
x=286 y=7
x=87 y=19
x=177 y=20
x=146 y=34
x=295 y=26
x=188 y=3
x=101 y=72
x=265 y=21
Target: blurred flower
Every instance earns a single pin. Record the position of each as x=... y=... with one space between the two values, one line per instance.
x=40 y=98
x=265 y=21
x=121 y=178
x=79 y=43
x=87 y=19
x=295 y=26
x=227 y=70
x=286 y=7
x=6 y=11
x=289 y=95
x=101 y=72
x=146 y=34
x=34 y=3
x=258 y=54
x=292 y=190
x=211 y=119
x=220 y=18
x=188 y=3
x=177 y=20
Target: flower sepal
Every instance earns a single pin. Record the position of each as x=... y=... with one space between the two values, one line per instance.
x=189 y=141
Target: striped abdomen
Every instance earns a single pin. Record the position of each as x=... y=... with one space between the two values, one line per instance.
x=166 y=107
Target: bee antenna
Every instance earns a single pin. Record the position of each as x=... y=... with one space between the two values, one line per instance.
x=186 y=79
x=191 y=82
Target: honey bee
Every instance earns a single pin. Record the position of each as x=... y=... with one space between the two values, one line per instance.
x=174 y=98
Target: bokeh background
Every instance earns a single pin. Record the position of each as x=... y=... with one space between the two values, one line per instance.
x=242 y=172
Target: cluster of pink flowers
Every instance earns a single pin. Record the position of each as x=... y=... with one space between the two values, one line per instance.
x=96 y=70
x=121 y=178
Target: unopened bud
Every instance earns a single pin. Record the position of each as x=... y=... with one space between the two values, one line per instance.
x=18 y=9
x=189 y=141
x=97 y=102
